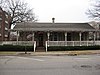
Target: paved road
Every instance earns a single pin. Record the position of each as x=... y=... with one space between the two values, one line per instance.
x=50 y=65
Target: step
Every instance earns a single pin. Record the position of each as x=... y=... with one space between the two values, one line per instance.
x=40 y=49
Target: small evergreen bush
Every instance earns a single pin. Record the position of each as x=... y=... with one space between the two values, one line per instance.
x=72 y=48
x=15 y=48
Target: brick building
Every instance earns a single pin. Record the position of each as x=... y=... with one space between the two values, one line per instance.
x=4 y=25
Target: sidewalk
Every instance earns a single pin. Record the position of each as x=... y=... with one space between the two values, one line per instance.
x=53 y=53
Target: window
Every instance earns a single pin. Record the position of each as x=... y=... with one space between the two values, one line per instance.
x=61 y=36
x=0 y=18
x=55 y=36
x=6 y=28
x=0 y=10
x=6 y=22
x=6 y=16
x=6 y=35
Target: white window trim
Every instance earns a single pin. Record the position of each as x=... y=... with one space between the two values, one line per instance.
x=6 y=22
x=6 y=28
x=6 y=35
x=0 y=18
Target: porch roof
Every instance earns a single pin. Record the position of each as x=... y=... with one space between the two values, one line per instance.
x=29 y=26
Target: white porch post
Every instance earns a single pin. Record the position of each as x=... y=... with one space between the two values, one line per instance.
x=88 y=39
x=17 y=36
x=48 y=34
x=94 y=35
x=65 y=38
x=33 y=41
x=33 y=36
x=80 y=34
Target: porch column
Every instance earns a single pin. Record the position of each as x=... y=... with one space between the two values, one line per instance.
x=34 y=43
x=47 y=43
x=80 y=34
x=17 y=36
x=94 y=37
x=33 y=36
x=88 y=39
x=48 y=34
x=65 y=38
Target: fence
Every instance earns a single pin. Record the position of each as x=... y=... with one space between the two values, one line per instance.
x=23 y=43
x=71 y=43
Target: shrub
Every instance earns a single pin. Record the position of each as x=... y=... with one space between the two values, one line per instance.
x=15 y=48
x=72 y=48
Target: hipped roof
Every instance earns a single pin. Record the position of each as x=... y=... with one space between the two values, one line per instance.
x=27 y=26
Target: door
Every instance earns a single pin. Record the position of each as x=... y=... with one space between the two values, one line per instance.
x=68 y=36
x=40 y=40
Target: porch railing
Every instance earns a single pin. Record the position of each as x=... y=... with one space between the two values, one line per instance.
x=22 y=43
x=71 y=43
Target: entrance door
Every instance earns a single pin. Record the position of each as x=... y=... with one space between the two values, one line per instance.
x=68 y=36
x=40 y=40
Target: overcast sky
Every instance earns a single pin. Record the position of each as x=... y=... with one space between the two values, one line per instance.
x=61 y=10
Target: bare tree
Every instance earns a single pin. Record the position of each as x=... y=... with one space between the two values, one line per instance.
x=94 y=10
x=19 y=11
x=2 y=3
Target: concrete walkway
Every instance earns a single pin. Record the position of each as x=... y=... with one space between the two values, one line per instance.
x=54 y=53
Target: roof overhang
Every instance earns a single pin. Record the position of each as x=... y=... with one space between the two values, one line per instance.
x=54 y=29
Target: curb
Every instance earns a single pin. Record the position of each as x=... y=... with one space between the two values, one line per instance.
x=66 y=53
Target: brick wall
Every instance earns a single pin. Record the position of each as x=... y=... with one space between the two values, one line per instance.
x=4 y=25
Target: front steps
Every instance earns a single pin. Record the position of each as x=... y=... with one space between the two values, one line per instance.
x=40 y=49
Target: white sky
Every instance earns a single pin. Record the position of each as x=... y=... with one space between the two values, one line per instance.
x=61 y=10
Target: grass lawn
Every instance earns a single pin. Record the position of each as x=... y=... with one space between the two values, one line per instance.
x=83 y=52
x=5 y=52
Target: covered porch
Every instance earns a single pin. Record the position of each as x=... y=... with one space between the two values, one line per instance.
x=56 y=34
x=72 y=39
x=55 y=38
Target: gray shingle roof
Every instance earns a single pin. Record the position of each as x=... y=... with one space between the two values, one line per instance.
x=53 y=27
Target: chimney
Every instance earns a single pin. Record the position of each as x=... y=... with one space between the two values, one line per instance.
x=53 y=20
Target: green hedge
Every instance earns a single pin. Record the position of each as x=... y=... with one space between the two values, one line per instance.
x=51 y=48
x=15 y=48
x=71 y=48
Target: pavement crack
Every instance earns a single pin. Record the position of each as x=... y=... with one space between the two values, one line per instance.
x=8 y=60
